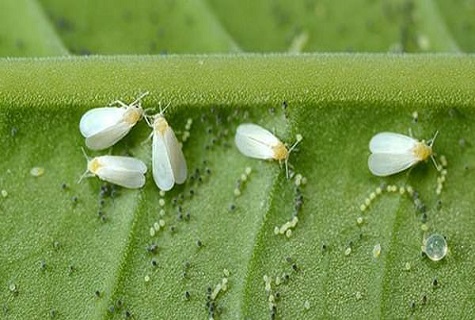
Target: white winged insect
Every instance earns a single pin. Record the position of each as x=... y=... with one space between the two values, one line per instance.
x=168 y=161
x=126 y=172
x=103 y=127
x=256 y=142
x=394 y=152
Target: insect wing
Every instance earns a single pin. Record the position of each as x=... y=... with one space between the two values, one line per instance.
x=175 y=155
x=255 y=142
x=125 y=178
x=126 y=163
x=99 y=119
x=162 y=168
x=385 y=164
x=127 y=172
x=108 y=137
x=389 y=142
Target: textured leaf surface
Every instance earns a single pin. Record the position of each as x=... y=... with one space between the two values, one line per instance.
x=94 y=251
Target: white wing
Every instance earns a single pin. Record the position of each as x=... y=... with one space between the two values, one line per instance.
x=385 y=164
x=389 y=142
x=255 y=142
x=99 y=119
x=108 y=136
x=125 y=163
x=175 y=155
x=126 y=178
x=161 y=166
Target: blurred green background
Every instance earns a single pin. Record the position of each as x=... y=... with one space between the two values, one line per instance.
x=82 y=27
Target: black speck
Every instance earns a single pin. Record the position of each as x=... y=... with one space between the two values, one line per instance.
x=435 y=283
x=439 y=204
x=97 y=293
x=295 y=267
x=424 y=217
x=154 y=263
x=187 y=295
x=199 y=243
x=212 y=306
x=72 y=269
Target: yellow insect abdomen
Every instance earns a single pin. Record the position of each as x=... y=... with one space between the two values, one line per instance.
x=93 y=165
x=160 y=125
x=422 y=151
x=280 y=151
x=132 y=116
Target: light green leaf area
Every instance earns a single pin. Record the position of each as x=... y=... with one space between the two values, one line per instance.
x=26 y=32
x=209 y=247
x=308 y=26
x=459 y=16
x=141 y=27
x=167 y=26
x=63 y=242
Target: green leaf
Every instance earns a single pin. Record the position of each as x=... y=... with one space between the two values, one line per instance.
x=25 y=31
x=91 y=250
x=58 y=250
x=116 y=26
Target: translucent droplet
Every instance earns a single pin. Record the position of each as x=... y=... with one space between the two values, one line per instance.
x=435 y=247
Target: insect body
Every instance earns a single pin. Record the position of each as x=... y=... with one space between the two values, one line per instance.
x=394 y=152
x=168 y=161
x=103 y=127
x=127 y=172
x=256 y=142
